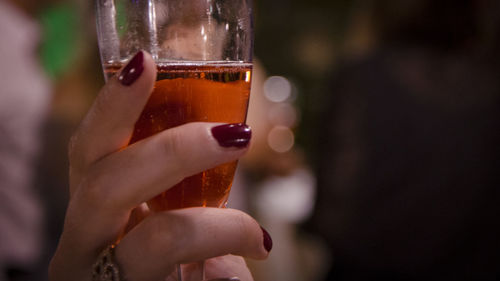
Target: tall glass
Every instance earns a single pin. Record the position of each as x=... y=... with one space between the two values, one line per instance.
x=203 y=54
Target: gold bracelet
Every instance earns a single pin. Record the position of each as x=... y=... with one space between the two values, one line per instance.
x=105 y=268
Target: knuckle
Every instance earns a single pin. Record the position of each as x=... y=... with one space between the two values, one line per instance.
x=173 y=148
x=71 y=145
x=103 y=99
x=164 y=231
x=243 y=225
x=95 y=192
x=78 y=148
x=242 y=221
x=76 y=156
x=74 y=150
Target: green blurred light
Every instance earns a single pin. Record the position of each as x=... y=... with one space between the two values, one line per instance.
x=60 y=34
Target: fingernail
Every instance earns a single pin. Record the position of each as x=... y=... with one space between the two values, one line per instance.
x=225 y=279
x=268 y=242
x=232 y=135
x=133 y=70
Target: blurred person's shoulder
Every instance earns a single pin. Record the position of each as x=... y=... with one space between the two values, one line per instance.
x=24 y=83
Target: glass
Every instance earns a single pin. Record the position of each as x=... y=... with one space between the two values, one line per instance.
x=203 y=54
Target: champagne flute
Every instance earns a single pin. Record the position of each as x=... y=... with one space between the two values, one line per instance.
x=203 y=54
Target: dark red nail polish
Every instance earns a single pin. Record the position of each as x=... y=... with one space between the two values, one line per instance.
x=268 y=242
x=133 y=70
x=232 y=135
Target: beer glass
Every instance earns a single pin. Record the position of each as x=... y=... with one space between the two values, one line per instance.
x=203 y=54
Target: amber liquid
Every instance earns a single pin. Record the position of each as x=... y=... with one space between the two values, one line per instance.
x=183 y=93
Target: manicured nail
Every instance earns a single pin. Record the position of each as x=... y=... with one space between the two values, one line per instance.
x=133 y=70
x=268 y=242
x=232 y=135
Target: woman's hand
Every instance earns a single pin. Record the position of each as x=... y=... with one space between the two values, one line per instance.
x=109 y=179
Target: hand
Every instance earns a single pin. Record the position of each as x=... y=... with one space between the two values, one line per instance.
x=109 y=179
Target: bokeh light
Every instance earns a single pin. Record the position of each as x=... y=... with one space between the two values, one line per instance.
x=277 y=89
x=281 y=139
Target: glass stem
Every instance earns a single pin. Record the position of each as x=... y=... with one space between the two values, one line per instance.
x=201 y=266
x=179 y=272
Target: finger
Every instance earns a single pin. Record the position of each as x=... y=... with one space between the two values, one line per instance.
x=145 y=169
x=151 y=250
x=116 y=185
x=233 y=268
x=219 y=266
x=109 y=124
x=229 y=266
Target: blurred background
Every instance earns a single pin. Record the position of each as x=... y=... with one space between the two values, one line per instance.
x=375 y=149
